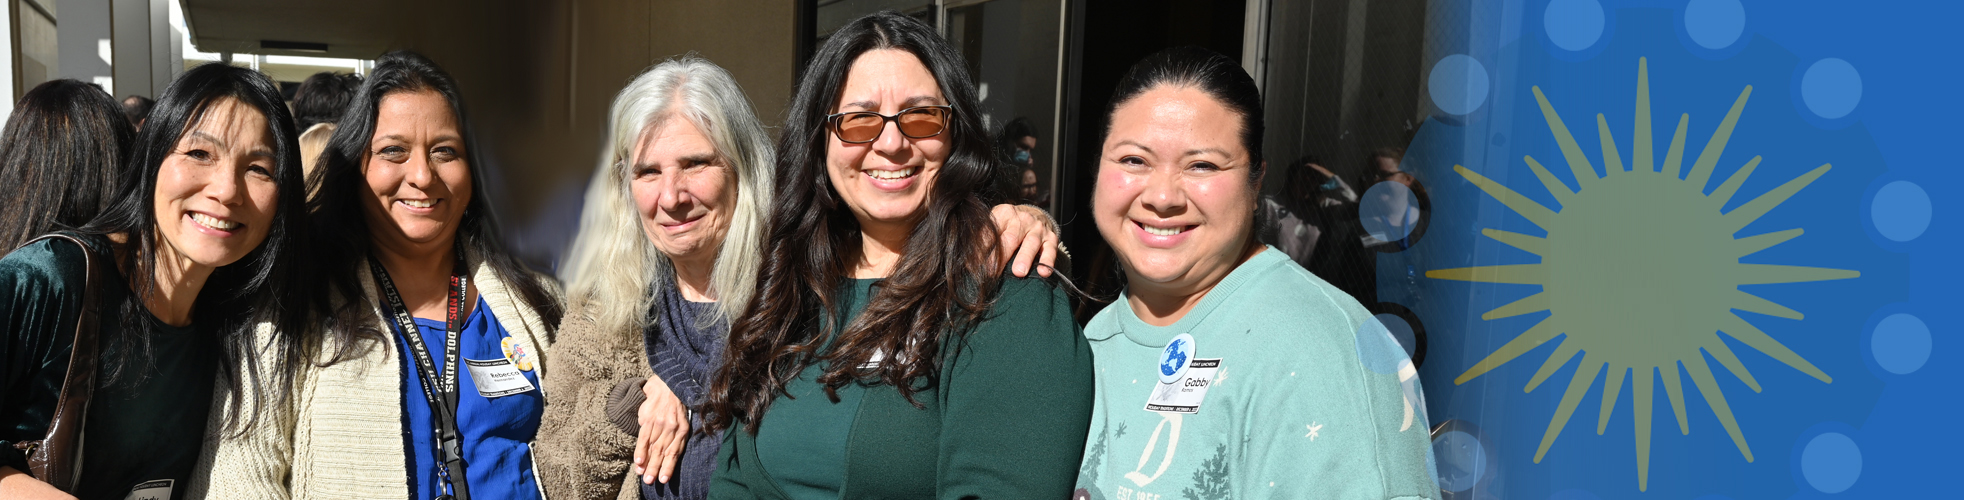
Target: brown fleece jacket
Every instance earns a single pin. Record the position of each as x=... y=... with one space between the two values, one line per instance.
x=581 y=453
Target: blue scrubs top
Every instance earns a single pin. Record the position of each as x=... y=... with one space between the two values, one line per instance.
x=497 y=432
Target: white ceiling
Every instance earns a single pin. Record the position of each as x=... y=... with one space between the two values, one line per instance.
x=358 y=29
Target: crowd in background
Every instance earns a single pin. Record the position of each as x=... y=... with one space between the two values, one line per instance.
x=233 y=296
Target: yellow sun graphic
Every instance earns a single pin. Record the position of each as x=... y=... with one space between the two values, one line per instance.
x=1640 y=270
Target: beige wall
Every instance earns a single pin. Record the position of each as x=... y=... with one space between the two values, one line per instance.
x=538 y=77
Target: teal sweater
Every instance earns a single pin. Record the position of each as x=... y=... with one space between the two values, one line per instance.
x=1311 y=398
x=1005 y=419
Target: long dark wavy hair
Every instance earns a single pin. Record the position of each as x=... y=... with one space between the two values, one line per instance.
x=63 y=154
x=267 y=284
x=947 y=276
x=343 y=232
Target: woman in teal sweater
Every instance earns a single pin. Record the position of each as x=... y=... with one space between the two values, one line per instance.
x=883 y=354
x=1225 y=370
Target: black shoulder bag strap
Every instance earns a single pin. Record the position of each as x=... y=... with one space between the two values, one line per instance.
x=54 y=459
x=443 y=409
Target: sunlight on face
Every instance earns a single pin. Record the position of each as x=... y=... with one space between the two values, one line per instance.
x=216 y=196
x=418 y=180
x=1173 y=196
x=886 y=182
x=683 y=190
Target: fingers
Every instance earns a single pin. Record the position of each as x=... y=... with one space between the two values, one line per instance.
x=1049 y=258
x=1027 y=252
x=642 y=442
x=671 y=453
x=1010 y=231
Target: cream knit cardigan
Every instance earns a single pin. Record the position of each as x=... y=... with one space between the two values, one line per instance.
x=341 y=435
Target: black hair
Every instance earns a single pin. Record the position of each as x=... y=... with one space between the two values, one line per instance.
x=62 y=154
x=1010 y=140
x=136 y=108
x=1303 y=179
x=266 y=285
x=946 y=278
x=322 y=98
x=1206 y=71
x=342 y=229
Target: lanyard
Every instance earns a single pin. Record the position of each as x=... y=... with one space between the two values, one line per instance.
x=443 y=412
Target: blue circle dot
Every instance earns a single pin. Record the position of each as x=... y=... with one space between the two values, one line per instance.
x=1831 y=462
x=1400 y=331
x=1714 y=24
x=1458 y=84
x=1377 y=349
x=1900 y=343
x=1389 y=211
x=1462 y=460
x=1901 y=211
x=1831 y=88
x=1573 y=24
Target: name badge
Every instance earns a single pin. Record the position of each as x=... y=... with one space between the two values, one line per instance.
x=1184 y=395
x=158 y=489
x=497 y=378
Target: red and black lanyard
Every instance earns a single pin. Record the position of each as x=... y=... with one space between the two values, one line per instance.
x=443 y=412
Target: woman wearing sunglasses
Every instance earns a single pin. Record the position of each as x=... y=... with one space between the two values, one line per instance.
x=884 y=354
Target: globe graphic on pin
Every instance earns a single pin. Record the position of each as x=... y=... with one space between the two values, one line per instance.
x=1175 y=358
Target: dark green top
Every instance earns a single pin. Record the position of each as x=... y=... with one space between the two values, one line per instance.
x=1005 y=419
x=145 y=426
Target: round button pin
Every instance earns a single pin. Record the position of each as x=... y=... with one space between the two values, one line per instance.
x=1175 y=358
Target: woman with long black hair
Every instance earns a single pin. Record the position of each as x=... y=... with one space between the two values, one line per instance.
x=198 y=249
x=427 y=382
x=883 y=354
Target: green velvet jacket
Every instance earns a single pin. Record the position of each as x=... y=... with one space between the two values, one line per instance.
x=146 y=424
x=1006 y=418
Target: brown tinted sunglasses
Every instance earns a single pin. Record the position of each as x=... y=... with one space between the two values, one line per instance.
x=918 y=122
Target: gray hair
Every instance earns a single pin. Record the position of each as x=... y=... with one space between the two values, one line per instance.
x=612 y=267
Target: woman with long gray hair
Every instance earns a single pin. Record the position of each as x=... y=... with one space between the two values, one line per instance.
x=669 y=247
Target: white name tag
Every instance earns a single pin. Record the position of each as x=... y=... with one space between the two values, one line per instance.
x=1184 y=395
x=152 y=490
x=497 y=378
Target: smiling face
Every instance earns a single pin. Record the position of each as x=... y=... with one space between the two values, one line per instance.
x=886 y=182
x=216 y=195
x=1173 y=196
x=683 y=191
x=418 y=181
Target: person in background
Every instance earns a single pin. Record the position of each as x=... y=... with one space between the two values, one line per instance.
x=1383 y=165
x=667 y=255
x=426 y=380
x=317 y=106
x=1030 y=190
x=62 y=156
x=1314 y=221
x=1224 y=370
x=1018 y=142
x=136 y=109
x=1017 y=145
x=1399 y=209
x=323 y=98
x=202 y=245
x=884 y=354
